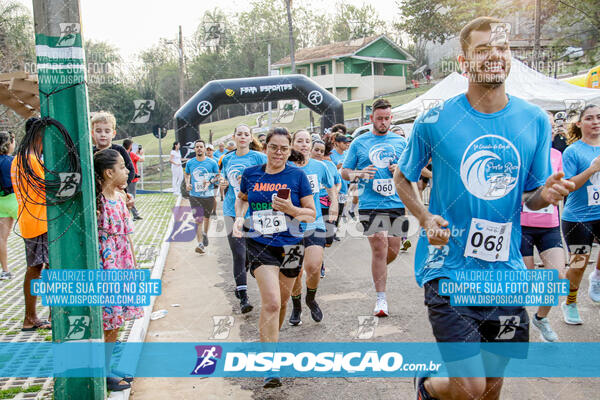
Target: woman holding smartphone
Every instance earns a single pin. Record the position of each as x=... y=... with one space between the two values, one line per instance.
x=279 y=198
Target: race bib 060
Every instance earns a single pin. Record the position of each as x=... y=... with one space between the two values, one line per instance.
x=268 y=222
x=488 y=241
x=384 y=187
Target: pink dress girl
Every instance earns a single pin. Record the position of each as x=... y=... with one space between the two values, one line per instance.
x=114 y=225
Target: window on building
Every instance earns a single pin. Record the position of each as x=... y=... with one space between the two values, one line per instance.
x=323 y=70
x=339 y=67
x=302 y=70
x=379 y=69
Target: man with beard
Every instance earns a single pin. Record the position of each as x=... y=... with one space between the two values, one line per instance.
x=490 y=152
x=371 y=161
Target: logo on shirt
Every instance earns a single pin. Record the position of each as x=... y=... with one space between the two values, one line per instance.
x=382 y=155
x=490 y=167
x=234 y=174
x=201 y=179
x=595 y=178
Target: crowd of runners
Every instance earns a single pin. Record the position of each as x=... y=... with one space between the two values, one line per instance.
x=494 y=179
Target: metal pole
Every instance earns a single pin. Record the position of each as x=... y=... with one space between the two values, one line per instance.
x=61 y=58
x=288 y=4
x=536 y=40
x=269 y=74
x=160 y=158
x=181 y=74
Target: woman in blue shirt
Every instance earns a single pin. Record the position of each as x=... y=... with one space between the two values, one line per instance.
x=278 y=198
x=581 y=215
x=315 y=232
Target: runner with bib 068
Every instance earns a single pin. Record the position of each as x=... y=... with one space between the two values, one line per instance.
x=490 y=152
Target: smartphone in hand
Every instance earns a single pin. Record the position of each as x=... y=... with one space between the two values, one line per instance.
x=283 y=193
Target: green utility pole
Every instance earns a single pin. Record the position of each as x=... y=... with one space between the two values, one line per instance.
x=72 y=227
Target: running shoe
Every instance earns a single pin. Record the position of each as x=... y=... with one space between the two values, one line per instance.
x=546 y=332
x=295 y=318
x=315 y=310
x=272 y=382
x=322 y=271
x=5 y=276
x=594 y=289
x=571 y=314
x=381 y=308
x=405 y=245
x=205 y=239
x=419 y=384
x=200 y=249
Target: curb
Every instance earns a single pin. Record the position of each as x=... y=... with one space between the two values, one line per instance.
x=140 y=326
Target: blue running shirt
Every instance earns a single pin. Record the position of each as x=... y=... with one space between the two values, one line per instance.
x=482 y=164
x=318 y=176
x=260 y=188
x=582 y=205
x=378 y=193
x=202 y=176
x=232 y=167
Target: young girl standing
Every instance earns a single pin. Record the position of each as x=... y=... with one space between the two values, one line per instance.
x=116 y=249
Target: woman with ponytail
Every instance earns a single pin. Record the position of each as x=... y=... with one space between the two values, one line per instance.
x=581 y=215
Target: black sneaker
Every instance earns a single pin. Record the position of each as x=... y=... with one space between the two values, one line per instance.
x=245 y=305
x=295 y=319
x=322 y=271
x=272 y=382
x=204 y=239
x=315 y=311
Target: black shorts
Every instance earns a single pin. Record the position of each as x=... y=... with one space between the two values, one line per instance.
x=202 y=207
x=315 y=237
x=542 y=238
x=36 y=250
x=391 y=220
x=580 y=235
x=287 y=258
x=475 y=325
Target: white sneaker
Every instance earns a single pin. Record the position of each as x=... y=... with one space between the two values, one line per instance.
x=546 y=332
x=381 y=308
x=594 y=289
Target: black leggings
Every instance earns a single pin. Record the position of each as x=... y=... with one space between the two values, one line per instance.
x=238 y=252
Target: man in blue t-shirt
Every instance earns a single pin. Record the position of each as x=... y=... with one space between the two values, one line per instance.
x=372 y=159
x=201 y=175
x=490 y=152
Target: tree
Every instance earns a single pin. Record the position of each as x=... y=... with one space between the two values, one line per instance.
x=437 y=21
x=16 y=36
x=351 y=22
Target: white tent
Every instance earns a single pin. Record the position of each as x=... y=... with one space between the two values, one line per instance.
x=522 y=81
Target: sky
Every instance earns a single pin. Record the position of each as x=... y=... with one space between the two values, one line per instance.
x=134 y=25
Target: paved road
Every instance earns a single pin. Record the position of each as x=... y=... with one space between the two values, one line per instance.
x=345 y=294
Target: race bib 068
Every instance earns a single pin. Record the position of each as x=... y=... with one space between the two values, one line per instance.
x=488 y=241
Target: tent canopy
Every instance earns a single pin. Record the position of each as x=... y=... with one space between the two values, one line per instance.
x=522 y=81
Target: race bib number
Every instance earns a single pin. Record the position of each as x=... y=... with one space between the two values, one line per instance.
x=384 y=187
x=488 y=241
x=268 y=222
x=313 y=179
x=200 y=185
x=294 y=255
x=342 y=197
x=545 y=210
x=593 y=195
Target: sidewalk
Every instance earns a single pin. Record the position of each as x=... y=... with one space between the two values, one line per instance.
x=147 y=237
